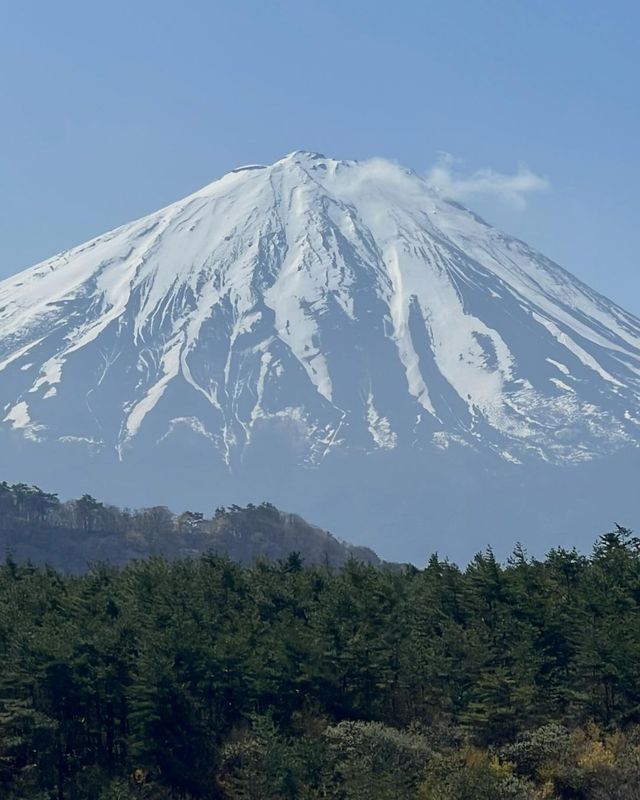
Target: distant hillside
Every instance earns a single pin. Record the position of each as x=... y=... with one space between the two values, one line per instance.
x=38 y=527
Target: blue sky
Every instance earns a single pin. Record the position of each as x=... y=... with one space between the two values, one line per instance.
x=111 y=110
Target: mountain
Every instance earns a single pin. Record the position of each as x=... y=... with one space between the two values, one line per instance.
x=332 y=335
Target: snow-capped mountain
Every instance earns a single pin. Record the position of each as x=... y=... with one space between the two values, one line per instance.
x=333 y=306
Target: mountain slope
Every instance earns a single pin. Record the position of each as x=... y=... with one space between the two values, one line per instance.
x=325 y=307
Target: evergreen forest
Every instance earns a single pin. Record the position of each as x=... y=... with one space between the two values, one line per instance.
x=203 y=678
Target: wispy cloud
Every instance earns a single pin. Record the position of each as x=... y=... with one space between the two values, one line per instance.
x=448 y=179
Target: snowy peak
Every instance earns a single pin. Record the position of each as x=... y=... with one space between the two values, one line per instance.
x=343 y=304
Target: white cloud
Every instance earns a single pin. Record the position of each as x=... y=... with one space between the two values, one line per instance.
x=512 y=189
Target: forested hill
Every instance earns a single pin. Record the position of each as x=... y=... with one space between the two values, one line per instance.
x=201 y=679
x=36 y=526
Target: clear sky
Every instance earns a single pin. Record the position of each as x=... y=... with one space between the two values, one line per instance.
x=110 y=110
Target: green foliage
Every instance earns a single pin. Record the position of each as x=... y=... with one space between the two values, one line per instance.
x=204 y=679
x=264 y=764
x=472 y=774
x=376 y=761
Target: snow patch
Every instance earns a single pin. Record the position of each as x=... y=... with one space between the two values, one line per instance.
x=380 y=427
x=193 y=423
x=20 y=419
x=562 y=367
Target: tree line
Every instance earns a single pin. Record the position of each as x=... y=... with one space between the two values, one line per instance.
x=21 y=502
x=202 y=678
x=36 y=526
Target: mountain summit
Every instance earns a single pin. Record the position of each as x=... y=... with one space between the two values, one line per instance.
x=300 y=312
